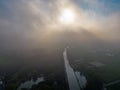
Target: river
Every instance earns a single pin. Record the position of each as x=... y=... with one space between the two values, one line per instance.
x=76 y=81
x=28 y=84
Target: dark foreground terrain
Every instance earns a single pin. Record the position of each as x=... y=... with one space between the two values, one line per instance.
x=96 y=59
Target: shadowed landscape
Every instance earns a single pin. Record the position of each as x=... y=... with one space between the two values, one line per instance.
x=59 y=45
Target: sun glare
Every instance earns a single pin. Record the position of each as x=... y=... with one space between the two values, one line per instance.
x=67 y=16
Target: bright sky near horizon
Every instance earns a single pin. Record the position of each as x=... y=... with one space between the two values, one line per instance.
x=47 y=10
x=36 y=18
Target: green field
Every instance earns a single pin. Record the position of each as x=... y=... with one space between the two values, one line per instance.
x=114 y=87
x=107 y=73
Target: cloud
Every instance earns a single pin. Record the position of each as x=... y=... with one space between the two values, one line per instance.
x=25 y=23
x=100 y=19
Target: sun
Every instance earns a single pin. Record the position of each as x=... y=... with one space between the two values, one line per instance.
x=67 y=16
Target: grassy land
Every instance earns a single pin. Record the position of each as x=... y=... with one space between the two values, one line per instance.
x=109 y=72
x=4 y=61
x=114 y=87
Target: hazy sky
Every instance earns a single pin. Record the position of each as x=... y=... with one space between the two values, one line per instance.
x=29 y=20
